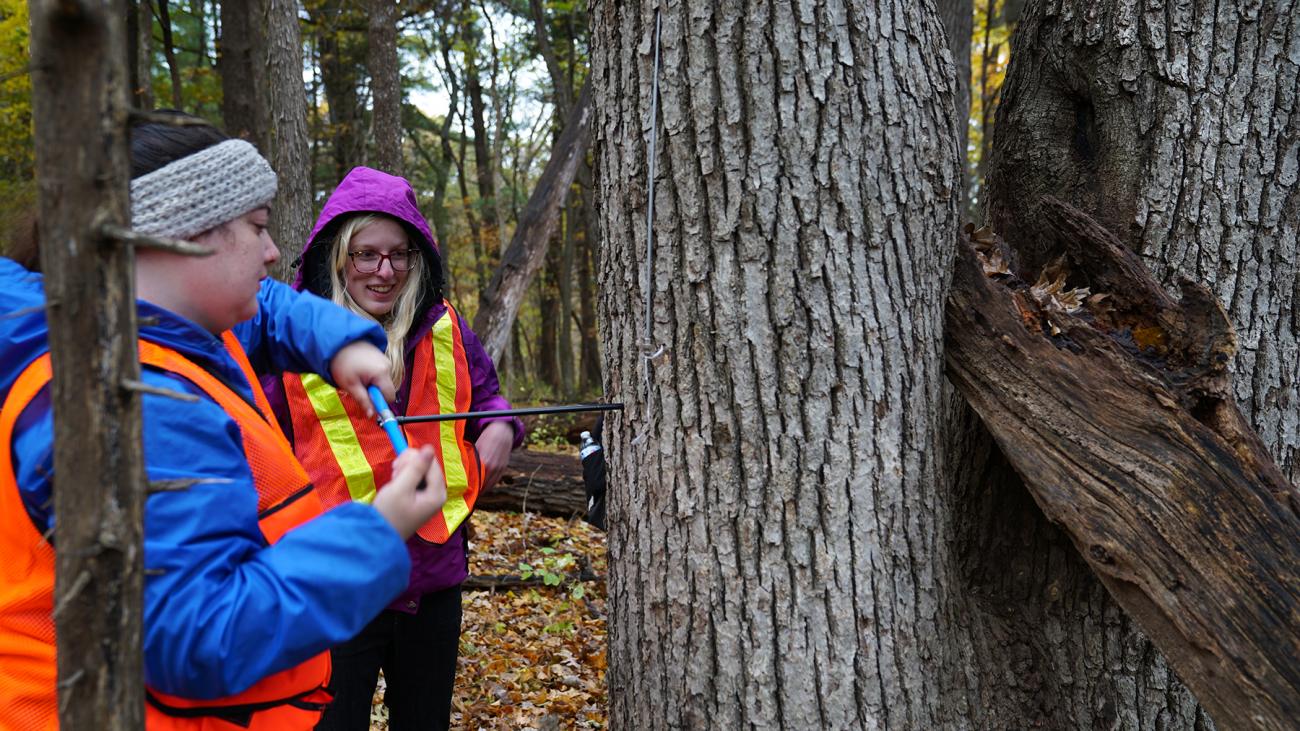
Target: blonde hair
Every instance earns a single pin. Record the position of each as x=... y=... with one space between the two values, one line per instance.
x=397 y=325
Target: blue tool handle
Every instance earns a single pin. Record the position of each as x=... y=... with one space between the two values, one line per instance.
x=387 y=420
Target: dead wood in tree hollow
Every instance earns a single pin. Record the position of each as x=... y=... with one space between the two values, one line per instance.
x=1113 y=402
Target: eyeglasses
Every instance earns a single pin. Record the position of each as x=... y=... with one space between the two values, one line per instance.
x=368 y=262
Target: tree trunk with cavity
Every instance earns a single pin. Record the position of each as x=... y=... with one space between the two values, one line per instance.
x=1170 y=124
x=779 y=542
x=1177 y=128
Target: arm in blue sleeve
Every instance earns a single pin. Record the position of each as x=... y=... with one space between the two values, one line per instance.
x=224 y=609
x=298 y=332
x=485 y=394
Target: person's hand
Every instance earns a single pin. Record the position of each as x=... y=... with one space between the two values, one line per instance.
x=493 y=447
x=358 y=365
x=401 y=504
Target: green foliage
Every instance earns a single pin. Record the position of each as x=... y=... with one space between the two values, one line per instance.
x=551 y=570
x=17 y=161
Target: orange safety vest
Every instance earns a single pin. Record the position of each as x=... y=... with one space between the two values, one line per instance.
x=349 y=457
x=290 y=699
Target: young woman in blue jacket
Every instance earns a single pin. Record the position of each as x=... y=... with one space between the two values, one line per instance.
x=228 y=608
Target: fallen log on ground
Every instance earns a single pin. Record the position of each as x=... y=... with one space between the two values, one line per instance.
x=1113 y=401
x=539 y=482
x=493 y=582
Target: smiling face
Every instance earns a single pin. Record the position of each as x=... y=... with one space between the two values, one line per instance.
x=377 y=292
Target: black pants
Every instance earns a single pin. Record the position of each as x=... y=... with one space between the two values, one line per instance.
x=418 y=655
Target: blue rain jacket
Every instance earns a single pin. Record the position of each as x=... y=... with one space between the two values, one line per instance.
x=226 y=609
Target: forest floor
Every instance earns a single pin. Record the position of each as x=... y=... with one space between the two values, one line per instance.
x=531 y=656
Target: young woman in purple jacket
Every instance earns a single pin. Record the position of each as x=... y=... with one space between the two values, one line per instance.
x=372 y=252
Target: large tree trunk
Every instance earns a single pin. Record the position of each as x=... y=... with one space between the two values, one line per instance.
x=527 y=249
x=291 y=216
x=778 y=543
x=385 y=87
x=79 y=100
x=1173 y=125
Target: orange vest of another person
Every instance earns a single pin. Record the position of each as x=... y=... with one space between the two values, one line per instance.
x=347 y=455
x=290 y=699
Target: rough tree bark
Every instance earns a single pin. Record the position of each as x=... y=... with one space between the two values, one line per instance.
x=1172 y=124
x=527 y=249
x=1116 y=407
x=291 y=216
x=79 y=100
x=239 y=62
x=778 y=542
x=385 y=87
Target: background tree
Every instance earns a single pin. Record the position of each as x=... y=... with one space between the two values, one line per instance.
x=778 y=536
x=243 y=38
x=287 y=139
x=385 y=86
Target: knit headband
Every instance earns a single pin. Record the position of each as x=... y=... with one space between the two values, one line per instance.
x=201 y=191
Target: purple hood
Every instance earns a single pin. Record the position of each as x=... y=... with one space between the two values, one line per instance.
x=363 y=190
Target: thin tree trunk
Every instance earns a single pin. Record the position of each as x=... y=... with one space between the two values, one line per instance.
x=79 y=101
x=987 y=94
x=548 y=311
x=199 y=9
x=958 y=18
x=589 y=361
x=139 y=31
x=385 y=86
x=560 y=85
x=564 y=287
x=484 y=169
x=471 y=218
x=778 y=539
x=339 y=61
x=242 y=40
x=292 y=211
x=169 y=52
x=528 y=246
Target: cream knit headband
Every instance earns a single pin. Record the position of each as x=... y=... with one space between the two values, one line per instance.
x=201 y=191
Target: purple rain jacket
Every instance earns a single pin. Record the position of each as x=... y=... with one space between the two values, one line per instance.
x=366 y=190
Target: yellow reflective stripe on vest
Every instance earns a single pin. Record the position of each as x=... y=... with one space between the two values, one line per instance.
x=455 y=510
x=342 y=437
